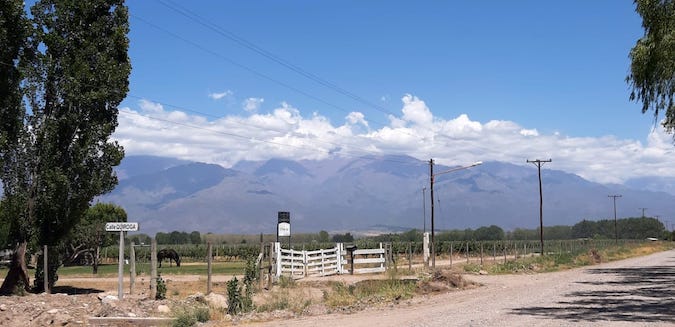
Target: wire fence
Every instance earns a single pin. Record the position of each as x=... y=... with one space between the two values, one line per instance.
x=454 y=251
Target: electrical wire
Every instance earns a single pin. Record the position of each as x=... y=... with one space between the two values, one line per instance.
x=270 y=78
x=271 y=56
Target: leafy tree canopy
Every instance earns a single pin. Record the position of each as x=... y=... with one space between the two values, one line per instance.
x=652 y=70
x=65 y=71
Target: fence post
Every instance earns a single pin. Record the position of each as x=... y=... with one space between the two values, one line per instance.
x=481 y=253
x=304 y=260
x=132 y=267
x=45 y=269
x=153 y=268
x=340 y=259
x=504 y=250
x=277 y=252
x=384 y=256
x=269 y=251
x=467 y=252
x=515 y=248
x=494 y=252
x=451 y=246
x=409 y=256
x=425 y=249
x=209 y=260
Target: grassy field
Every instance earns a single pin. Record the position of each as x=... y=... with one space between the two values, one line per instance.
x=110 y=270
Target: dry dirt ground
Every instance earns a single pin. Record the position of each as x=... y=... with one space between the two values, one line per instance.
x=638 y=291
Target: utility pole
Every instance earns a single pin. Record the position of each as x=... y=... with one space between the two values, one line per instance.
x=643 y=211
x=424 y=208
x=431 y=190
x=431 y=193
x=616 y=233
x=539 y=163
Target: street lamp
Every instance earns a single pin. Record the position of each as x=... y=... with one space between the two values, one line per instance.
x=431 y=191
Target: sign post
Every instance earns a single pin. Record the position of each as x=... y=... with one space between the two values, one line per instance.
x=284 y=226
x=120 y=227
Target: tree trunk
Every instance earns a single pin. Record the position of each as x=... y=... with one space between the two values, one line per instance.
x=18 y=272
x=94 y=265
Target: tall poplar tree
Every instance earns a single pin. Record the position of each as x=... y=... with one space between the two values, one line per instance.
x=62 y=156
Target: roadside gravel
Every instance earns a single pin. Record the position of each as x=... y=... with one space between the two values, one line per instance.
x=636 y=292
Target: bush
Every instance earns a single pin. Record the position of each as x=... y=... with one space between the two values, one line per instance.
x=161 y=288
x=236 y=302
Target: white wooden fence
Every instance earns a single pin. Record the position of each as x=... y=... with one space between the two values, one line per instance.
x=325 y=262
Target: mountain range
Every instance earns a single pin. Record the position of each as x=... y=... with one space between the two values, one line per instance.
x=382 y=193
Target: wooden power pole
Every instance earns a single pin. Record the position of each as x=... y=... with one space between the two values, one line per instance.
x=539 y=163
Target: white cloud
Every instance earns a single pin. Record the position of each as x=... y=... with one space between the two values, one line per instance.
x=416 y=111
x=357 y=118
x=253 y=104
x=218 y=96
x=150 y=107
x=285 y=132
x=529 y=132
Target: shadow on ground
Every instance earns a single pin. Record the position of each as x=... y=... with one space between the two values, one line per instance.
x=74 y=290
x=645 y=294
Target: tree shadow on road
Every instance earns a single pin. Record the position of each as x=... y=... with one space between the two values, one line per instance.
x=645 y=294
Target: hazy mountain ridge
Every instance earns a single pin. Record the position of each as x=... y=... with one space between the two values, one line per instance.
x=356 y=194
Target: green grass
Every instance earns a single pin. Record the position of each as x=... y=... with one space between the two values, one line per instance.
x=579 y=258
x=110 y=270
x=369 y=291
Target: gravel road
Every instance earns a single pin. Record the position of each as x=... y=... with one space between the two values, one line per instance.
x=636 y=292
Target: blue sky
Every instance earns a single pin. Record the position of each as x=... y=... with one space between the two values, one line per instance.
x=458 y=81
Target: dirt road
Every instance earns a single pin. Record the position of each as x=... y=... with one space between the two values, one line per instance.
x=635 y=292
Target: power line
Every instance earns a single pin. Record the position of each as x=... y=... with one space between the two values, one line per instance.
x=262 y=75
x=271 y=56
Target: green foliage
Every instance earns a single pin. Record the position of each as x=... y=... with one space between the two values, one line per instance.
x=234 y=305
x=20 y=289
x=177 y=237
x=251 y=272
x=161 y=288
x=188 y=317
x=90 y=233
x=491 y=233
x=138 y=239
x=239 y=297
x=627 y=228
x=324 y=237
x=56 y=155
x=652 y=70
x=369 y=291
x=343 y=238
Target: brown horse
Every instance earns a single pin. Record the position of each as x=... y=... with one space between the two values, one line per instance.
x=170 y=254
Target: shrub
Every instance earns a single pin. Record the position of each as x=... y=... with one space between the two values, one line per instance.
x=236 y=302
x=161 y=288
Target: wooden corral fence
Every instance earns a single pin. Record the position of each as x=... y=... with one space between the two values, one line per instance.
x=325 y=262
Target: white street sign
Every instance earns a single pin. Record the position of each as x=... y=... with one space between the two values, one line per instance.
x=284 y=229
x=121 y=227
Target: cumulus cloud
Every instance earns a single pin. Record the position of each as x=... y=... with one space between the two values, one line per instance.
x=357 y=118
x=253 y=104
x=220 y=95
x=416 y=111
x=285 y=133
